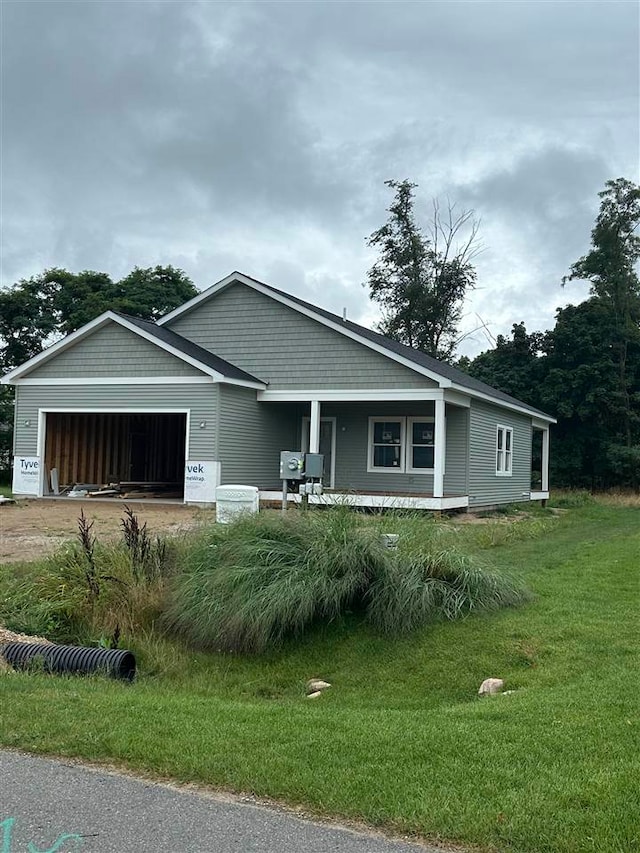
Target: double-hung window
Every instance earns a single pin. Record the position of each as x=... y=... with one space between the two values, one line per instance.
x=420 y=445
x=504 y=451
x=401 y=445
x=386 y=444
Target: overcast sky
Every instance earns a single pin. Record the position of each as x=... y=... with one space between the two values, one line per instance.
x=258 y=135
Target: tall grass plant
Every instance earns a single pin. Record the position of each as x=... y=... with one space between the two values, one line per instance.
x=247 y=586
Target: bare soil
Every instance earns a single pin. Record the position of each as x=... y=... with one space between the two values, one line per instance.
x=31 y=529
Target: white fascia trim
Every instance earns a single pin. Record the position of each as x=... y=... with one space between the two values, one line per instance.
x=115 y=410
x=378 y=395
x=249 y=282
x=538 y=423
x=243 y=383
x=119 y=380
x=379 y=501
x=456 y=399
x=137 y=380
x=503 y=404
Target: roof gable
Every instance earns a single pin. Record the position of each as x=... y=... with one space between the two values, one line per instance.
x=170 y=342
x=444 y=374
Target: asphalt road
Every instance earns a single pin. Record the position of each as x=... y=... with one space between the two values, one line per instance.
x=53 y=806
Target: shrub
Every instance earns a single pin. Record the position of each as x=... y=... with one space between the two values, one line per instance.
x=247 y=585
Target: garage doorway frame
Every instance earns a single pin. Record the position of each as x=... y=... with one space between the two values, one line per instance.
x=101 y=410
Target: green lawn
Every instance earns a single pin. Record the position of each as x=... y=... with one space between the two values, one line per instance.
x=401 y=740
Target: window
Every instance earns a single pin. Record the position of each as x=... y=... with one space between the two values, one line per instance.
x=386 y=444
x=504 y=451
x=401 y=445
x=420 y=445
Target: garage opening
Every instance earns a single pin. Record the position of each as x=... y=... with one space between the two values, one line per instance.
x=127 y=455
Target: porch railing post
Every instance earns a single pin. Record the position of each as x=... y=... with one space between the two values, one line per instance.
x=438 y=449
x=545 y=460
x=314 y=427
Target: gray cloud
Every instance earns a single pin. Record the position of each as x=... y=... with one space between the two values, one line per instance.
x=258 y=135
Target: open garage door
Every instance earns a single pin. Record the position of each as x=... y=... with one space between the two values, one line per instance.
x=136 y=454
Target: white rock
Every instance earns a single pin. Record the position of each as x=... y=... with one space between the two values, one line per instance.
x=315 y=684
x=491 y=685
x=314 y=695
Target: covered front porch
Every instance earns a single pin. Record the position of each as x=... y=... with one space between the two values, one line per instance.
x=401 y=448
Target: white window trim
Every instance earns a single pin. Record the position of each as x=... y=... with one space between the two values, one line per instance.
x=505 y=429
x=410 y=444
x=406 y=444
x=401 y=468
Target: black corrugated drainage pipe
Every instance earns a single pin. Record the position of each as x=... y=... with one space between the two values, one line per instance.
x=71 y=659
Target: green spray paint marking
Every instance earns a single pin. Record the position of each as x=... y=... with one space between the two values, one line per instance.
x=6 y=827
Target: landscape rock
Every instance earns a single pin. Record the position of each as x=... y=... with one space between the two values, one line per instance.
x=490 y=686
x=314 y=695
x=316 y=684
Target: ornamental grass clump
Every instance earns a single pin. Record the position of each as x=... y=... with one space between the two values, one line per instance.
x=248 y=585
x=419 y=588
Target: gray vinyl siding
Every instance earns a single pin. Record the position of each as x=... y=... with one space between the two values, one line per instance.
x=456 y=468
x=200 y=400
x=485 y=486
x=251 y=436
x=113 y=351
x=286 y=349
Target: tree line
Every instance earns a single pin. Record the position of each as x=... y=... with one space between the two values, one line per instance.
x=585 y=371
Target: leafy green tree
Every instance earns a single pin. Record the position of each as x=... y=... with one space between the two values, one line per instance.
x=515 y=366
x=25 y=322
x=150 y=293
x=421 y=279
x=581 y=388
x=6 y=430
x=36 y=311
x=611 y=268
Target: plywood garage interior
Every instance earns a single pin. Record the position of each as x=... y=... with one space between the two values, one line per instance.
x=101 y=448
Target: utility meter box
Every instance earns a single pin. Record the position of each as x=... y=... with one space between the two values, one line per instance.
x=313 y=466
x=291 y=465
x=233 y=501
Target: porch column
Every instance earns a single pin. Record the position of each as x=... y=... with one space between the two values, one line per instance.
x=438 y=448
x=545 y=460
x=314 y=427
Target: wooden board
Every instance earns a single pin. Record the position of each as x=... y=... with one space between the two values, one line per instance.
x=106 y=448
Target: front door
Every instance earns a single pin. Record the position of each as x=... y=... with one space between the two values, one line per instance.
x=327 y=447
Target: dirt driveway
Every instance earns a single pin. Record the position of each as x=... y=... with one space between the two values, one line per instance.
x=32 y=528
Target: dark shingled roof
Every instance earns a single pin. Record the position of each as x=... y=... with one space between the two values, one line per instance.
x=457 y=376
x=173 y=339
